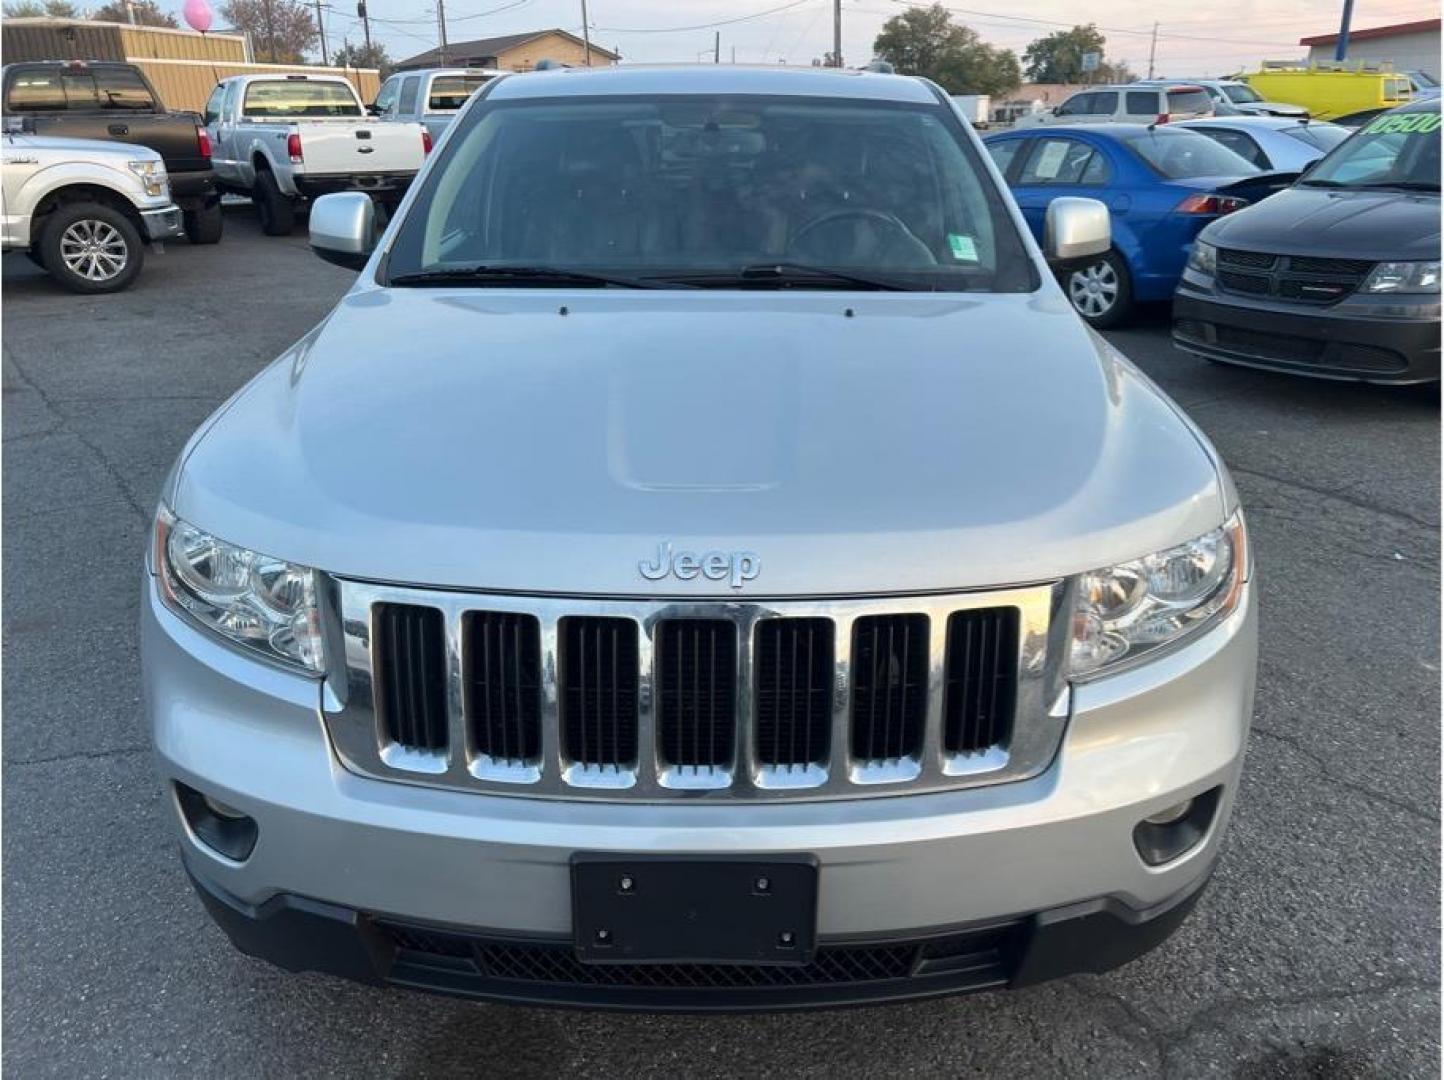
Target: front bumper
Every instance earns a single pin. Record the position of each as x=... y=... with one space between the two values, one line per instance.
x=1369 y=339
x=163 y=224
x=1012 y=858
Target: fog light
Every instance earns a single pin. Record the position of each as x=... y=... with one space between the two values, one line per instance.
x=1175 y=830
x=218 y=826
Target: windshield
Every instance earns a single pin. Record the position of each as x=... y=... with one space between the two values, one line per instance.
x=449 y=92
x=1239 y=93
x=1182 y=155
x=300 y=98
x=1393 y=150
x=703 y=188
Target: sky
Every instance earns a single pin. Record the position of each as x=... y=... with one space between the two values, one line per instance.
x=1194 y=38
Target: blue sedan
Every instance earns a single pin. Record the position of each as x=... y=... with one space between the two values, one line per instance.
x=1161 y=184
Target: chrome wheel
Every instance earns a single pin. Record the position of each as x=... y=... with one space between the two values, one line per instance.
x=94 y=250
x=1094 y=290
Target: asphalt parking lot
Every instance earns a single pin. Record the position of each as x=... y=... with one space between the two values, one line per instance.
x=1314 y=954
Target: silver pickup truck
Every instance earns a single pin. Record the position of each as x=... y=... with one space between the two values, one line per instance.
x=281 y=139
x=431 y=97
x=704 y=562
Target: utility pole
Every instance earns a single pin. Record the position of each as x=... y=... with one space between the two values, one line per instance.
x=717 y=46
x=1341 y=51
x=586 y=36
x=365 y=23
x=441 y=25
x=271 y=30
x=1152 y=48
x=321 y=29
x=130 y=13
x=837 y=33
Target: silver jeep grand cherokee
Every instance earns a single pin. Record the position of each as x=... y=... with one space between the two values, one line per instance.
x=703 y=563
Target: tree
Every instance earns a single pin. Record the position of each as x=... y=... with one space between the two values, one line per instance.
x=33 y=9
x=360 y=56
x=926 y=41
x=1058 y=58
x=281 y=30
x=147 y=13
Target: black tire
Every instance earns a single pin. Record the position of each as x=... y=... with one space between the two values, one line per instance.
x=205 y=226
x=1101 y=291
x=276 y=210
x=84 y=239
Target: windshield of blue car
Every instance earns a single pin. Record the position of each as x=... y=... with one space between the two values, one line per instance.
x=1319 y=136
x=1178 y=154
x=1241 y=93
x=698 y=189
x=1398 y=149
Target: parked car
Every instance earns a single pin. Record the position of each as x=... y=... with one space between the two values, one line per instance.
x=115 y=102
x=1162 y=185
x=1273 y=143
x=1423 y=84
x=1233 y=97
x=1336 y=277
x=976 y=107
x=282 y=139
x=640 y=622
x=1330 y=90
x=431 y=97
x=1127 y=104
x=85 y=210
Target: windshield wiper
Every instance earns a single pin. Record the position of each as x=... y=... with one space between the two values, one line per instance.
x=1400 y=185
x=784 y=275
x=1322 y=183
x=538 y=276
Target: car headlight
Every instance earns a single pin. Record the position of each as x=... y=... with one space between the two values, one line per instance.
x=1126 y=611
x=262 y=603
x=152 y=176
x=1203 y=258
x=1403 y=277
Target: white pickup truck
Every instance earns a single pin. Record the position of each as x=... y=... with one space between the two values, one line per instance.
x=281 y=139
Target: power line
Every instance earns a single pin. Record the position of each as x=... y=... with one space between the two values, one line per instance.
x=699 y=26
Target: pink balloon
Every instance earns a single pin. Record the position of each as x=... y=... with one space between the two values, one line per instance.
x=197 y=15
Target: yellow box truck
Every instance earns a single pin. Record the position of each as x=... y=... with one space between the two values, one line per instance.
x=1331 y=90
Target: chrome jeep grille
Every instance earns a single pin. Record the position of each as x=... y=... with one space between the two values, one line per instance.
x=703 y=699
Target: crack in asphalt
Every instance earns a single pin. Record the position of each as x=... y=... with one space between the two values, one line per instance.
x=1353 y=785
x=1343 y=497
x=77 y=755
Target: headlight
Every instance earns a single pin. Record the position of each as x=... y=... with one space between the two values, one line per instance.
x=1203 y=258
x=254 y=600
x=152 y=176
x=1403 y=277
x=1129 y=610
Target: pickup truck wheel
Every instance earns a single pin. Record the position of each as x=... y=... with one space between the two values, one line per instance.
x=91 y=248
x=276 y=211
x=204 y=226
x=1101 y=291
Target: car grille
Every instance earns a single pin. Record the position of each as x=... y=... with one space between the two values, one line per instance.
x=656 y=699
x=1293 y=278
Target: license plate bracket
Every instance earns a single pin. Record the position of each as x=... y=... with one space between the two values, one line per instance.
x=703 y=910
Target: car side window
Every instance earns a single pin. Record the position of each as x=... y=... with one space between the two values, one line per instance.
x=213 y=105
x=233 y=91
x=1060 y=161
x=1003 y=153
x=1105 y=103
x=1239 y=142
x=386 y=96
x=1077 y=105
x=35 y=91
x=409 y=91
x=1141 y=103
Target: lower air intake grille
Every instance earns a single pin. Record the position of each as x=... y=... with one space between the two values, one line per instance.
x=889 y=686
x=982 y=679
x=793 y=691
x=503 y=685
x=697 y=691
x=411 y=690
x=599 y=702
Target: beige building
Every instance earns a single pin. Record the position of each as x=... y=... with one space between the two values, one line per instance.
x=1411 y=46
x=514 y=52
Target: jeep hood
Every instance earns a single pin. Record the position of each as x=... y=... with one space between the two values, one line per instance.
x=548 y=441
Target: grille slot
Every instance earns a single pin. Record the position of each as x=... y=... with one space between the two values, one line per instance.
x=1259 y=260
x=1308 y=264
x=410 y=645
x=599 y=699
x=503 y=685
x=982 y=679
x=792 y=696
x=889 y=686
x=697 y=692
x=1256 y=284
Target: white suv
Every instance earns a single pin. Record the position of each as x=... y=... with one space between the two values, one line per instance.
x=1128 y=104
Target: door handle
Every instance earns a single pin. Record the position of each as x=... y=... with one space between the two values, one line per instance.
x=119 y=129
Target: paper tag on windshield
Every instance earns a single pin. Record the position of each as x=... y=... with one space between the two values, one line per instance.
x=963 y=248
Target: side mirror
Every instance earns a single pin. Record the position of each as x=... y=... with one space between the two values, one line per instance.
x=343 y=228
x=1073 y=229
x=373 y=109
